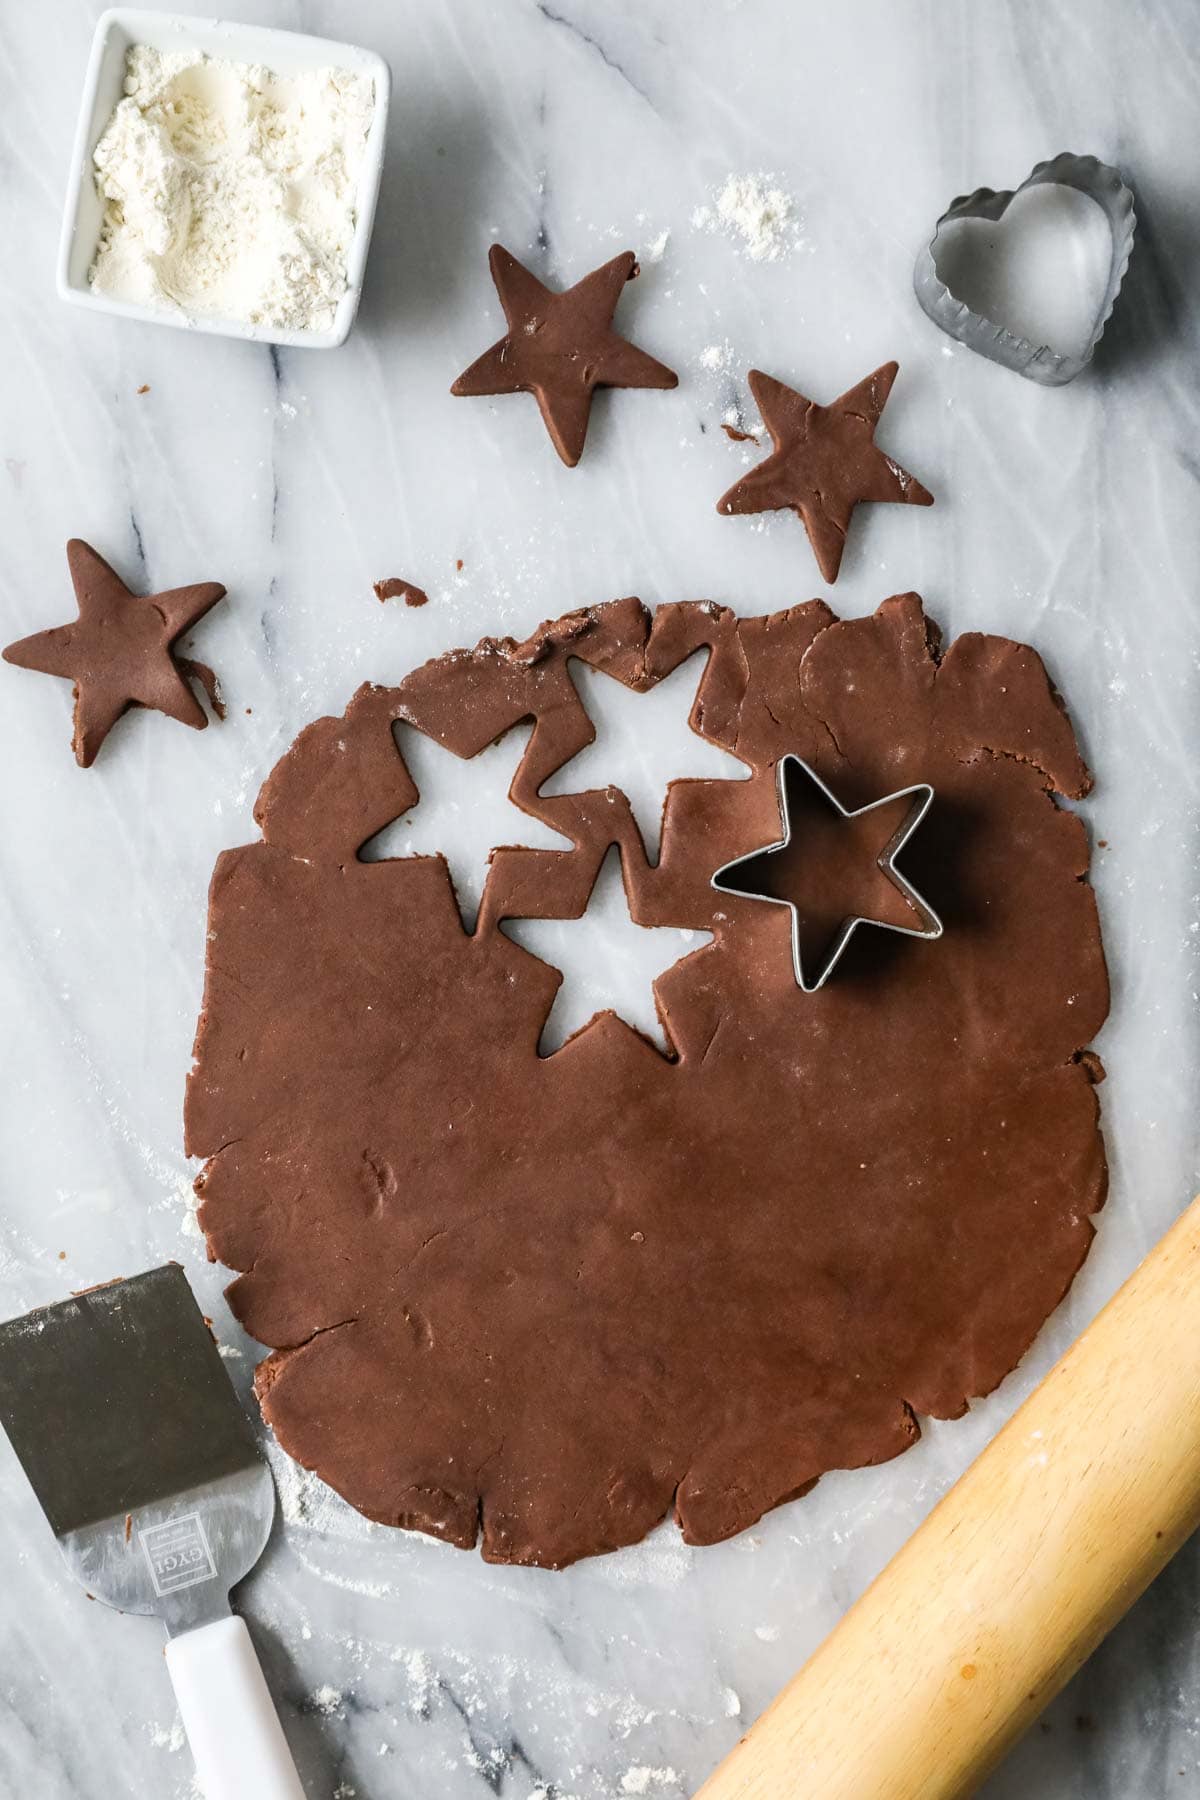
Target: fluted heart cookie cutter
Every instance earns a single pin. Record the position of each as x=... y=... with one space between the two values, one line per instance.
x=1037 y=362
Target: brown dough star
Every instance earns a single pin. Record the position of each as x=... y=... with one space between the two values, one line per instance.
x=561 y=347
x=118 y=652
x=824 y=462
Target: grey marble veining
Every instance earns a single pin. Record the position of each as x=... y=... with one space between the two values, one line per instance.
x=1071 y=518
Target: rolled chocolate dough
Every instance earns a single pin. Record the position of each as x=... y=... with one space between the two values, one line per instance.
x=541 y=1301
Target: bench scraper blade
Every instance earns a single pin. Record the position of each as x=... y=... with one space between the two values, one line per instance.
x=120 y=1411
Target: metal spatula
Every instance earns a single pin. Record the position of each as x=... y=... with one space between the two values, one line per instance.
x=118 y=1406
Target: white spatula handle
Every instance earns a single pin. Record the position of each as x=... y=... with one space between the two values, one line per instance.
x=231 y=1722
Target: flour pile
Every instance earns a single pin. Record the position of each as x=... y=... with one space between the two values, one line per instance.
x=230 y=190
x=755 y=209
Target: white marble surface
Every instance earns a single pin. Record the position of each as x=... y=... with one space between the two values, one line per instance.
x=1072 y=518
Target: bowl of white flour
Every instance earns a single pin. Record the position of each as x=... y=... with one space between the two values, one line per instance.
x=224 y=178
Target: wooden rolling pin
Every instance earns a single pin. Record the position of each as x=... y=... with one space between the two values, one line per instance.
x=1015 y=1577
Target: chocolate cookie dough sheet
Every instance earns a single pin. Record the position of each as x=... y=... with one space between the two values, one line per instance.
x=541 y=1301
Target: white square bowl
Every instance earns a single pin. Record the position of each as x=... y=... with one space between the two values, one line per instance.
x=285 y=53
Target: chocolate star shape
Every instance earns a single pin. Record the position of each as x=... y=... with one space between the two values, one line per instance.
x=561 y=347
x=840 y=874
x=118 y=651
x=824 y=462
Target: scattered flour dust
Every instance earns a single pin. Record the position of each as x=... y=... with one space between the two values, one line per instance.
x=327 y=1701
x=185 y=1191
x=756 y=210
x=172 y=1740
x=307 y=1502
x=421 y=1678
x=656 y=249
x=370 y=1590
x=659 y=1561
x=304 y=1499
x=642 y=1779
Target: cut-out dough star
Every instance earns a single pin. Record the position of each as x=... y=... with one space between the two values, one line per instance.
x=118 y=652
x=824 y=462
x=835 y=872
x=561 y=347
x=643 y=743
x=607 y=961
x=463 y=811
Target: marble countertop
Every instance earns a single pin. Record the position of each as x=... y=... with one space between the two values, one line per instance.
x=1069 y=518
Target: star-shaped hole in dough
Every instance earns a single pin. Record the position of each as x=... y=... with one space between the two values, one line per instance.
x=825 y=462
x=608 y=962
x=643 y=744
x=463 y=812
x=834 y=869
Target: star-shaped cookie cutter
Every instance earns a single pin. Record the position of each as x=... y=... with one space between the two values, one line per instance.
x=931 y=927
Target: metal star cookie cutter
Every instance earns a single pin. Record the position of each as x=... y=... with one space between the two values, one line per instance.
x=930 y=927
x=1037 y=362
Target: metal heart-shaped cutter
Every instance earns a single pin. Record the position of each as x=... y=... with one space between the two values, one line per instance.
x=1038 y=362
